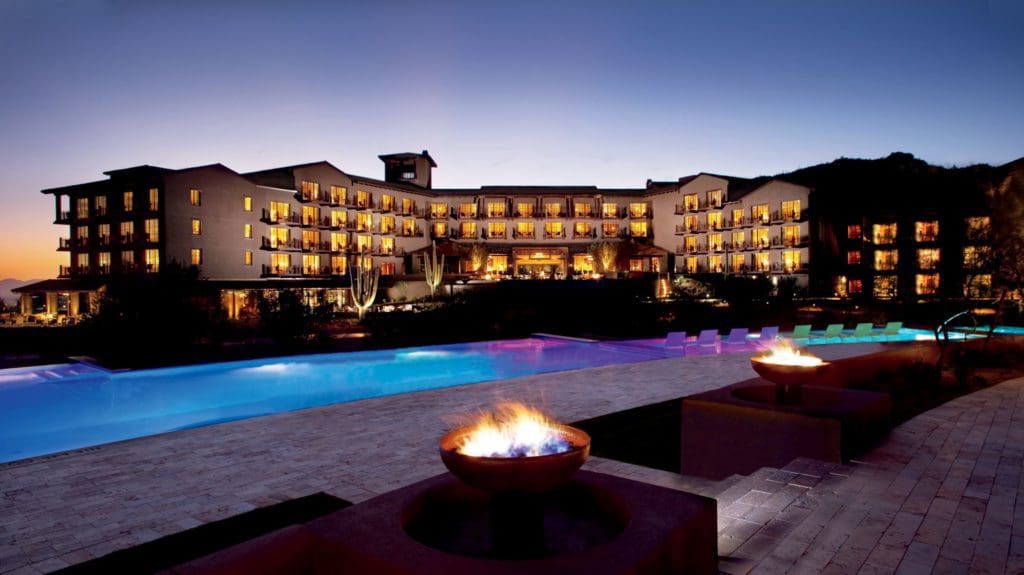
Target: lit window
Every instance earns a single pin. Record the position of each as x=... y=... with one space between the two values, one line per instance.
x=638 y=210
x=855 y=286
x=791 y=210
x=691 y=266
x=928 y=259
x=197 y=256
x=926 y=231
x=886 y=260
x=387 y=224
x=309 y=190
x=582 y=209
x=127 y=231
x=280 y=263
x=885 y=287
x=884 y=233
x=83 y=262
x=152 y=230
x=759 y=213
x=127 y=260
x=128 y=201
x=715 y=220
x=761 y=262
x=497 y=263
x=978 y=227
x=154 y=199
x=467 y=230
x=524 y=210
x=364 y=222
x=438 y=210
x=362 y=199
x=278 y=237
x=311 y=265
x=247 y=203
x=195 y=197
x=247 y=231
x=339 y=196
x=524 y=230
x=152 y=260
x=100 y=206
x=310 y=240
x=737 y=217
x=439 y=230
x=467 y=210
x=364 y=243
x=554 y=230
x=790 y=236
x=496 y=209
x=715 y=198
x=582 y=230
x=737 y=263
x=496 y=230
x=737 y=240
x=409 y=227
x=791 y=261
x=609 y=210
x=979 y=285
x=977 y=256
x=854 y=232
x=610 y=230
x=715 y=264
x=636 y=264
x=927 y=284
x=339 y=242
x=715 y=242
x=311 y=215
x=759 y=238
x=247 y=257
x=690 y=202
x=853 y=258
x=339 y=265
x=104 y=262
x=387 y=268
x=387 y=246
x=690 y=244
x=387 y=203
x=690 y=223
x=82 y=208
x=197 y=227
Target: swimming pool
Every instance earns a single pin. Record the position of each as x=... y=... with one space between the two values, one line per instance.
x=47 y=409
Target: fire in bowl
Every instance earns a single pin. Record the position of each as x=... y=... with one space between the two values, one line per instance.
x=787 y=366
x=515 y=448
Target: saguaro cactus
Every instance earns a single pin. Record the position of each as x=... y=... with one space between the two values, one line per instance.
x=433 y=270
x=363 y=281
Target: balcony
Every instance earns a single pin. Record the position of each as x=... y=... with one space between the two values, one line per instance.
x=282 y=270
x=150 y=238
x=338 y=248
x=410 y=211
x=578 y=235
x=710 y=205
x=609 y=233
x=103 y=241
x=416 y=232
x=437 y=216
x=273 y=217
x=639 y=214
x=497 y=215
x=735 y=223
x=518 y=235
x=438 y=234
x=526 y=214
x=99 y=211
x=553 y=214
x=494 y=235
x=616 y=215
x=789 y=269
x=554 y=235
x=793 y=216
x=884 y=239
x=63 y=218
x=316 y=246
x=778 y=241
x=64 y=272
x=461 y=235
x=587 y=215
x=63 y=244
x=464 y=214
x=278 y=244
x=385 y=207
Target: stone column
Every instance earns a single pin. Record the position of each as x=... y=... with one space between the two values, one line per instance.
x=26 y=304
x=73 y=300
x=51 y=302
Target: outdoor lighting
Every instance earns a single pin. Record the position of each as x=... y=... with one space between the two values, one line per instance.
x=789 y=369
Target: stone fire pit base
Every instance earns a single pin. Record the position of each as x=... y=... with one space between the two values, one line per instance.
x=654 y=530
x=741 y=428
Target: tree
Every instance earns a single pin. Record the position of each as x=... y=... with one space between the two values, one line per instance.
x=605 y=254
x=477 y=257
x=433 y=270
x=364 y=280
x=1008 y=237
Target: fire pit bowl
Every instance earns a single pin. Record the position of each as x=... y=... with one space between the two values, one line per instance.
x=528 y=474
x=789 y=375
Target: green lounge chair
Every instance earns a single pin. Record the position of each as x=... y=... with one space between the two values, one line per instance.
x=833 y=331
x=892 y=329
x=802 y=331
x=861 y=332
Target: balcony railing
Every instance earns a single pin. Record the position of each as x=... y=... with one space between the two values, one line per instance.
x=435 y=234
x=411 y=233
x=273 y=217
x=64 y=272
x=494 y=235
x=279 y=244
x=63 y=217
x=576 y=234
x=462 y=235
x=408 y=211
x=519 y=235
x=436 y=216
x=497 y=214
x=64 y=244
x=554 y=235
x=609 y=233
x=589 y=214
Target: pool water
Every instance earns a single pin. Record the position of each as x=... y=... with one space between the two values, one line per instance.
x=47 y=409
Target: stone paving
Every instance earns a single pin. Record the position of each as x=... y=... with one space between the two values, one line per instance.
x=60 y=510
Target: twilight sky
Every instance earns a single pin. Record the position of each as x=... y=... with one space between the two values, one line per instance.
x=529 y=92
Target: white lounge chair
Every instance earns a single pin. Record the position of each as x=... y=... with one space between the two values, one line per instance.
x=676 y=339
x=736 y=340
x=707 y=341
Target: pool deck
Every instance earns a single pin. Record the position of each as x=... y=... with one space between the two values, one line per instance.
x=60 y=510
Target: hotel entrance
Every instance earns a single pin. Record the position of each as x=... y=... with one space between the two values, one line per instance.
x=540 y=262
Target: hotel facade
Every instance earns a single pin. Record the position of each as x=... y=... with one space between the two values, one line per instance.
x=304 y=226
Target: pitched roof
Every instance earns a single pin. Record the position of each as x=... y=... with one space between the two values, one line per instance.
x=409 y=156
x=61 y=284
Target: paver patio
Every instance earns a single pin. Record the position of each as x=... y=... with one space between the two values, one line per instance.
x=60 y=510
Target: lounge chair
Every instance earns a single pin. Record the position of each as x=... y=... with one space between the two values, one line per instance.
x=736 y=340
x=861 y=332
x=801 y=332
x=892 y=329
x=767 y=336
x=833 y=331
x=706 y=341
x=676 y=339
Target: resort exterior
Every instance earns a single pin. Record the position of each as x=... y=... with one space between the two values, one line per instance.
x=304 y=226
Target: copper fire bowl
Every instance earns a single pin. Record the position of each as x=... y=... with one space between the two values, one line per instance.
x=524 y=474
x=789 y=375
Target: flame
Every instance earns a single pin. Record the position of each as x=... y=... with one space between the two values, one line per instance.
x=514 y=430
x=784 y=353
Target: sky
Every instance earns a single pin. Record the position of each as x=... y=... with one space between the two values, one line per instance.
x=531 y=92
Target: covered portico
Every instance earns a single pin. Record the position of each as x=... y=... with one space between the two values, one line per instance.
x=60 y=298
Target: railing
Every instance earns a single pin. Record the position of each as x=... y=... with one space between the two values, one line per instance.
x=64 y=244
x=282 y=270
x=434 y=234
x=493 y=235
x=436 y=216
x=103 y=241
x=607 y=234
x=461 y=235
x=526 y=214
x=554 y=235
x=64 y=272
x=497 y=214
x=63 y=217
x=518 y=235
x=617 y=215
x=280 y=218
x=410 y=211
x=464 y=215
x=589 y=214
x=413 y=233
x=586 y=234
x=385 y=207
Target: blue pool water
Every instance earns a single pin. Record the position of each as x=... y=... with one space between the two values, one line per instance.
x=56 y=408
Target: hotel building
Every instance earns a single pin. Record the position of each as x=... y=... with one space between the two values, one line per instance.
x=303 y=226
